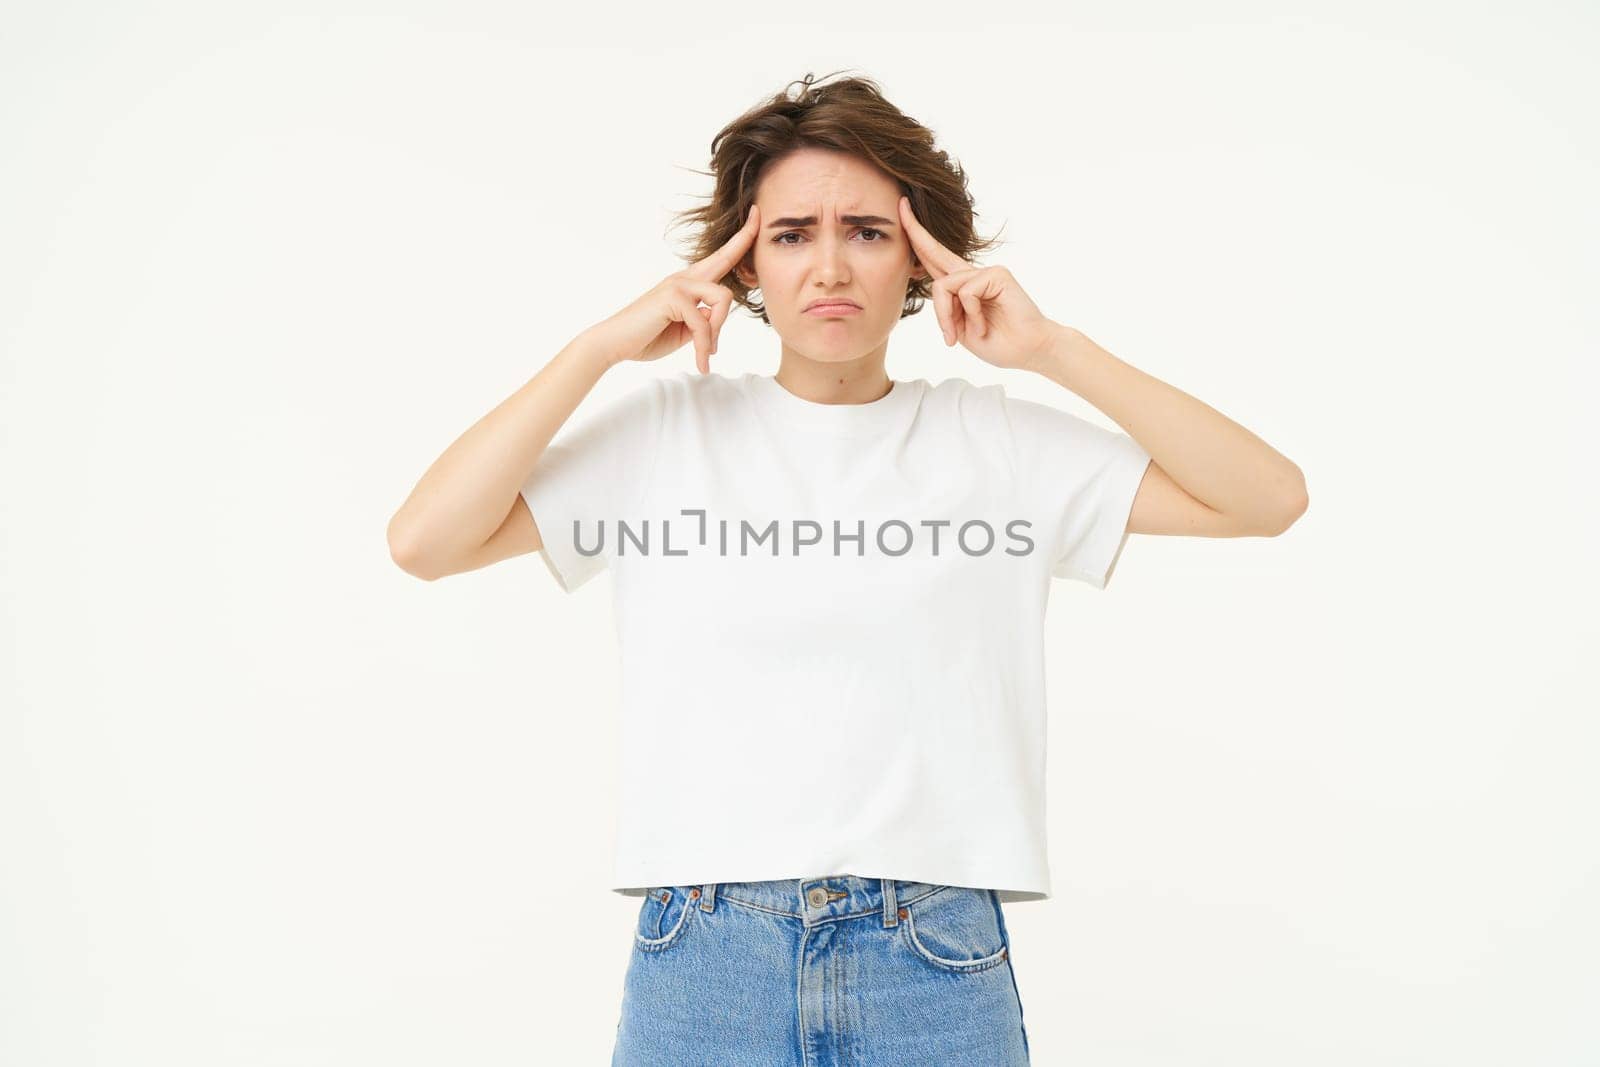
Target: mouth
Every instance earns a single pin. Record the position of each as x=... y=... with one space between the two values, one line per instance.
x=832 y=309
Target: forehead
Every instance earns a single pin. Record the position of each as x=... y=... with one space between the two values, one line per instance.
x=809 y=178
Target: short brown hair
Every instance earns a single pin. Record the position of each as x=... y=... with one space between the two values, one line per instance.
x=851 y=116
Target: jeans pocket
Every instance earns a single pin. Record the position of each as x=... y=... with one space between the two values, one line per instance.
x=956 y=929
x=664 y=915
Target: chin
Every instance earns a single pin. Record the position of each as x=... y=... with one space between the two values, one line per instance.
x=831 y=345
x=839 y=356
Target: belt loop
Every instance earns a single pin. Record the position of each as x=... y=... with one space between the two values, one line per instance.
x=891 y=910
x=708 y=896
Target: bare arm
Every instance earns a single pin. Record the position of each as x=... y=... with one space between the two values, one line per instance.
x=1209 y=476
x=467 y=511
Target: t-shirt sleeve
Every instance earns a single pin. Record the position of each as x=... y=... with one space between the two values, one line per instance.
x=592 y=474
x=1080 y=479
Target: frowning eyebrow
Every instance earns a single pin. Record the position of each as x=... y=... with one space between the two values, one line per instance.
x=848 y=220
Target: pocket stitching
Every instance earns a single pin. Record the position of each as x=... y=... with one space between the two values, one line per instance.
x=982 y=963
x=656 y=944
x=657 y=907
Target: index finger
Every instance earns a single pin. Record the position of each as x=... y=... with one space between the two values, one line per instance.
x=936 y=257
x=716 y=266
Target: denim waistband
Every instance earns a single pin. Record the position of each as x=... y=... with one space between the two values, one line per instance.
x=823 y=898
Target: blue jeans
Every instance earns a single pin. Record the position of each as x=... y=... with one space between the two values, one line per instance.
x=820 y=972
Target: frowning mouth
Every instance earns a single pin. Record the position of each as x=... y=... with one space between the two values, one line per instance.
x=831 y=310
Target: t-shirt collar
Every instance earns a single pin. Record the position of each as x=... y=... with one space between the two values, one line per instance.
x=871 y=416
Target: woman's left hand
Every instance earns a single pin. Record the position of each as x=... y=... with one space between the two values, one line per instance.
x=982 y=307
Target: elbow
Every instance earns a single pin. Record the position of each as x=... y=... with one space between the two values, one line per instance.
x=1294 y=506
x=407 y=554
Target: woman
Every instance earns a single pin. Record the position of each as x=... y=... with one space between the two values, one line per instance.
x=830 y=589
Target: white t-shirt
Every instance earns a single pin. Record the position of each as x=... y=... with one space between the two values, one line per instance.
x=795 y=703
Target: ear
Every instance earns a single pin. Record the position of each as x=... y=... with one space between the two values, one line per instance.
x=746 y=276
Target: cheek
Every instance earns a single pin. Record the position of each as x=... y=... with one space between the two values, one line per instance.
x=776 y=271
x=889 y=278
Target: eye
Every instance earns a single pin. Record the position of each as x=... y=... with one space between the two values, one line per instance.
x=881 y=236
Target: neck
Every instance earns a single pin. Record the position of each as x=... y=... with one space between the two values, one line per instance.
x=847 y=381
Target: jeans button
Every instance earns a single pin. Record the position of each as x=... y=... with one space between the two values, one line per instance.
x=818 y=896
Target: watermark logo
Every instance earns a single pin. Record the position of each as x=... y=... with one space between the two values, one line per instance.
x=887 y=537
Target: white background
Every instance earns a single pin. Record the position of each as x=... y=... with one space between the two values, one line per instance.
x=1324 y=799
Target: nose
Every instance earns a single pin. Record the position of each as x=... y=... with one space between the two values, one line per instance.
x=831 y=265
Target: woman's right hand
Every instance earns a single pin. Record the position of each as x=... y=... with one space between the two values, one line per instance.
x=669 y=314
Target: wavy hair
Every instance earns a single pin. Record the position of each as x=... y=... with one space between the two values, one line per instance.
x=850 y=116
